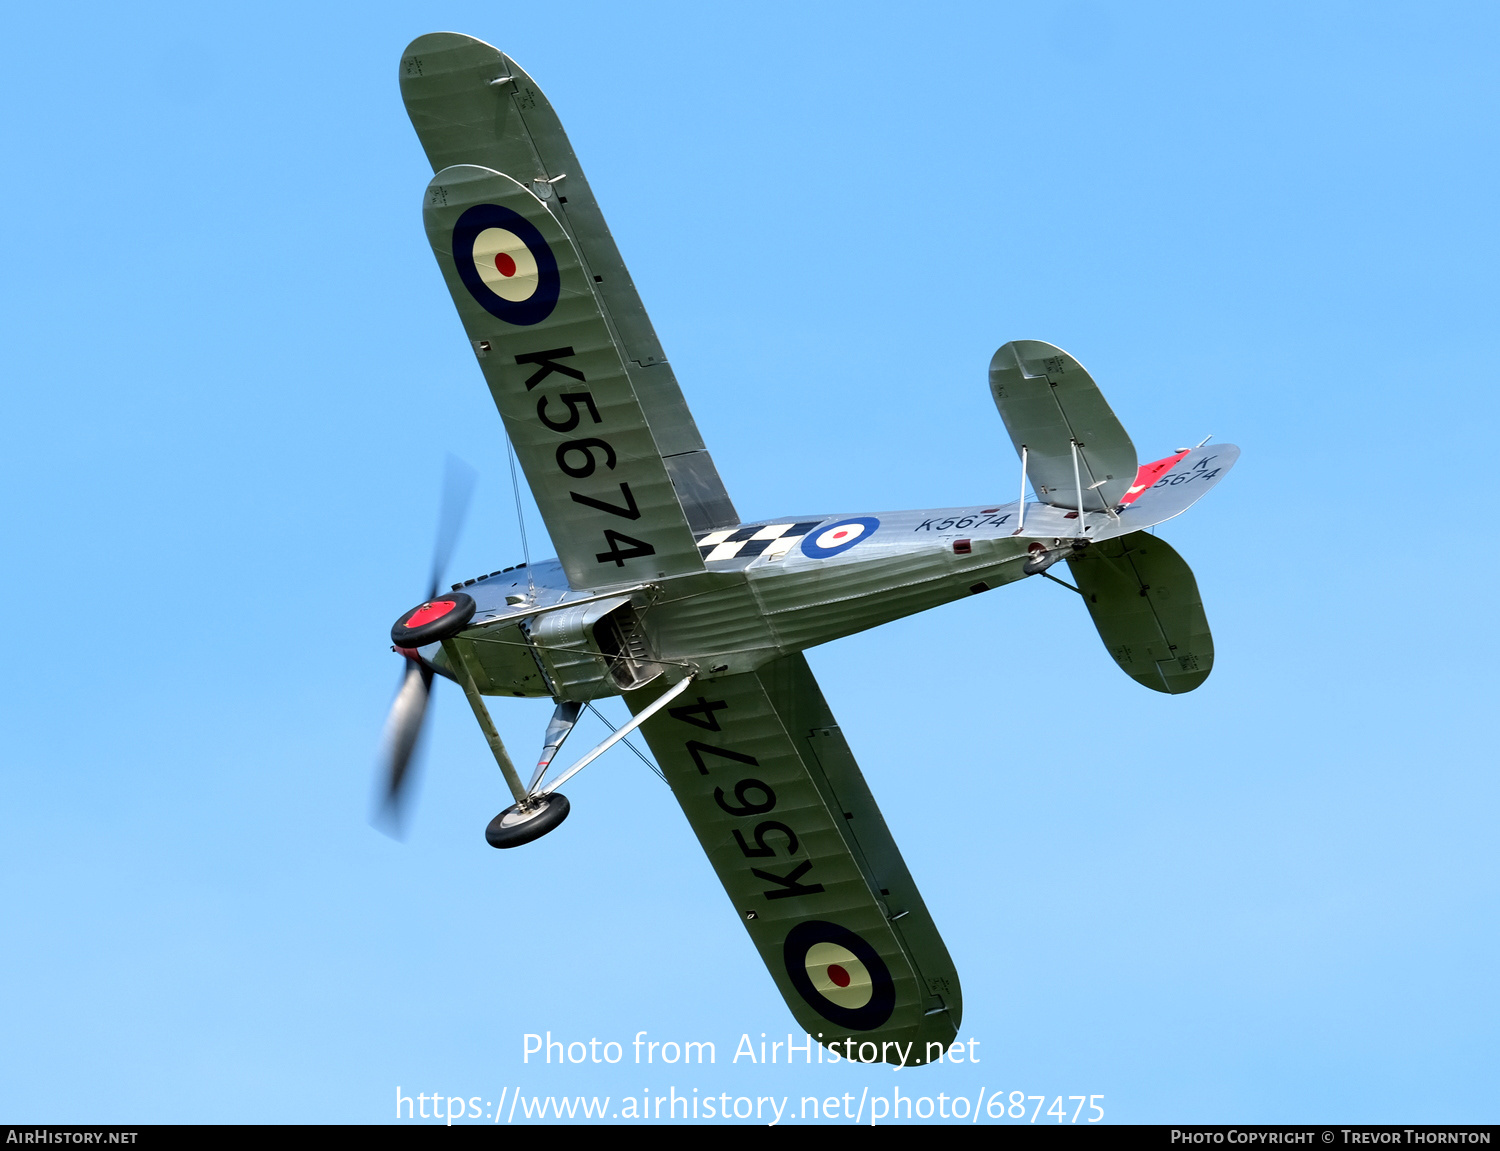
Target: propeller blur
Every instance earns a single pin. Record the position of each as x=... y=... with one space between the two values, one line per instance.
x=403 y=727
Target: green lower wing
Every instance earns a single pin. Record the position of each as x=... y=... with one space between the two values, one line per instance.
x=1145 y=603
x=787 y=820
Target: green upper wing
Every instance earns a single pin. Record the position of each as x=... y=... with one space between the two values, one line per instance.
x=555 y=372
x=464 y=116
x=778 y=803
x=1145 y=603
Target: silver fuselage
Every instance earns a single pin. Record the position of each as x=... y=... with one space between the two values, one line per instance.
x=745 y=610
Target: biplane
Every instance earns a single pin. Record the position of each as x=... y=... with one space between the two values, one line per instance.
x=662 y=594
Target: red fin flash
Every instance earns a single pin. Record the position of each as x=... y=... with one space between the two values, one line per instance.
x=1148 y=474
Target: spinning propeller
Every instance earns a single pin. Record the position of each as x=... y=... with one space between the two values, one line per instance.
x=440 y=618
x=403 y=727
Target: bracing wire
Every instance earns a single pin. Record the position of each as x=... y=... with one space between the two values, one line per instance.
x=515 y=487
x=656 y=771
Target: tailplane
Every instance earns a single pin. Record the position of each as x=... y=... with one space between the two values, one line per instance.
x=1145 y=602
x=1098 y=500
x=1076 y=453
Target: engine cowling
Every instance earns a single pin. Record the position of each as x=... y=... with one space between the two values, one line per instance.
x=594 y=650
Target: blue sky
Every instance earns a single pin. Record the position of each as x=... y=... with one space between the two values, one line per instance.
x=232 y=374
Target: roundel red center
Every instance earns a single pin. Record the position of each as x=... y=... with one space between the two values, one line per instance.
x=506 y=265
x=838 y=975
x=429 y=612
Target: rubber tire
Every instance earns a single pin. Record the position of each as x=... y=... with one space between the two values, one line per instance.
x=501 y=836
x=1036 y=566
x=434 y=631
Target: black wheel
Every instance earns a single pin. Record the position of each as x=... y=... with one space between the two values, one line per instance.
x=1040 y=559
x=513 y=826
x=440 y=618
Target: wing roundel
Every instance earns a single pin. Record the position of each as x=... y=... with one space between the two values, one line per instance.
x=780 y=807
x=506 y=265
x=472 y=104
x=556 y=374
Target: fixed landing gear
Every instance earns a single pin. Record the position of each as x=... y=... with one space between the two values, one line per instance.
x=538 y=809
x=1042 y=557
x=522 y=822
